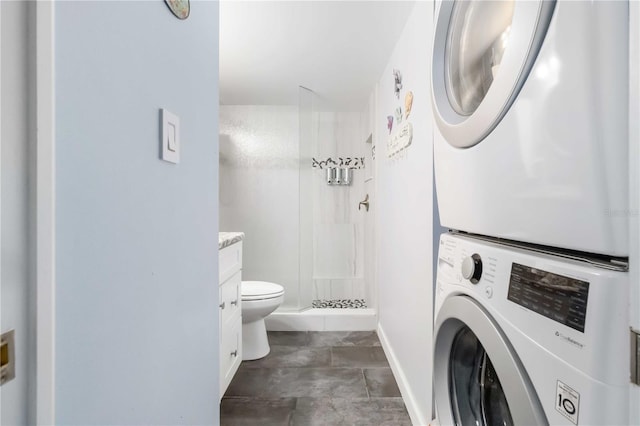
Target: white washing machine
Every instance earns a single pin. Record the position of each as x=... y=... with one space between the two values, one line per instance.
x=530 y=101
x=528 y=338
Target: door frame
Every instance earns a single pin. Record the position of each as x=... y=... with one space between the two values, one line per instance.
x=45 y=175
x=42 y=173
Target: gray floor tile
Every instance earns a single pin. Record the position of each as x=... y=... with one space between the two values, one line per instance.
x=381 y=383
x=358 y=357
x=253 y=411
x=316 y=378
x=360 y=412
x=292 y=356
x=298 y=382
x=343 y=338
x=288 y=338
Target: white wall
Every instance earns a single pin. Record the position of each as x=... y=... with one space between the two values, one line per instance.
x=15 y=191
x=404 y=220
x=136 y=271
x=259 y=171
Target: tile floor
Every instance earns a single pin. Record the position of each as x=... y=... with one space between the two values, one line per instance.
x=316 y=378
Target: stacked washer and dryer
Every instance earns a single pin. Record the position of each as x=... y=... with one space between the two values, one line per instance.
x=531 y=163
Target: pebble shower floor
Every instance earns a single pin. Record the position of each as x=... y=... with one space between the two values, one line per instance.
x=339 y=303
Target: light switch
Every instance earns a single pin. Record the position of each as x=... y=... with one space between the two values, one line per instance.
x=170 y=138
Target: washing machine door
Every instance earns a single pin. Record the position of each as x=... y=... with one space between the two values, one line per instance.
x=478 y=378
x=482 y=54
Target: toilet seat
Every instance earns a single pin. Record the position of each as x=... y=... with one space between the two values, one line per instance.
x=260 y=290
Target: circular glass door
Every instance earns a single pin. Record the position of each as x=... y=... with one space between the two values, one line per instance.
x=478 y=36
x=477 y=397
x=478 y=378
x=483 y=52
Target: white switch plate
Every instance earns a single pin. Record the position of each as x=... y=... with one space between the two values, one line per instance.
x=170 y=138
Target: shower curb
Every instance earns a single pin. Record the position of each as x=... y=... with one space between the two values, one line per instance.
x=323 y=319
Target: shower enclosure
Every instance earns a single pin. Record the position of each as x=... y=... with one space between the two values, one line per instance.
x=312 y=236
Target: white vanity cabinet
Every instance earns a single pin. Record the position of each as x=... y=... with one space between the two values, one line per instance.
x=230 y=312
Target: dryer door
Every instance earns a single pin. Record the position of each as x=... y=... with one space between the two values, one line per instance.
x=482 y=54
x=478 y=378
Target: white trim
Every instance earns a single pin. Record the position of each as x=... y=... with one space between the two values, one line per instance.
x=418 y=418
x=45 y=213
x=634 y=190
x=634 y=157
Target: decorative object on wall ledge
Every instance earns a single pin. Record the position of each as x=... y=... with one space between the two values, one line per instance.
x=408 y=103
x=398 y=115
x=402 y=136
x=346 y=162
x=373 y=146
x=400 y=139
x=397 y=86
x=180 y=8
x=340 y=304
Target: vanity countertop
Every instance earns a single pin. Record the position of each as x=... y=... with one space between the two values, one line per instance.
x=225 y=239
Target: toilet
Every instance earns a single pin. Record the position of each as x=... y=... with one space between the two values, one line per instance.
x=259 y=299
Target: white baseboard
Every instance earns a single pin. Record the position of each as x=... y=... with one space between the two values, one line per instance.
x=323 y=320
x=418 y=418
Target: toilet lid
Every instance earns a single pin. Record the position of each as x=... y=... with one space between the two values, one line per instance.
x=252 y=290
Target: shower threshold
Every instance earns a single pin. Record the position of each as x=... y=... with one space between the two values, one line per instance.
x=323 y=319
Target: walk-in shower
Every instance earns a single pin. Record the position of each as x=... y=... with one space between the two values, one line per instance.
x=297 y=180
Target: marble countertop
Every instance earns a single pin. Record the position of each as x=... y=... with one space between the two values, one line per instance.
x=225 y=239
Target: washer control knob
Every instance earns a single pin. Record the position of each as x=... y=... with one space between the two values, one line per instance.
x=472 y=268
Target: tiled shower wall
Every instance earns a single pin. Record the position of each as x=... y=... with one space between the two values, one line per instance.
x=259 y=191
x=339 y=251
x=261 y=195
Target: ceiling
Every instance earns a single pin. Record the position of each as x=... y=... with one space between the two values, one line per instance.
x=338 y=49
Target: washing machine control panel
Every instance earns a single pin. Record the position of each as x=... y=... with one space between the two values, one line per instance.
x=472 y=268
x=545 y=304
x=557 y=297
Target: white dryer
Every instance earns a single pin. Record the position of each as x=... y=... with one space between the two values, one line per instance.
x=530 y=101
x=528 y=338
